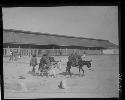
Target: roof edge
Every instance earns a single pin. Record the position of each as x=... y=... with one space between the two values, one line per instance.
x=39 y=33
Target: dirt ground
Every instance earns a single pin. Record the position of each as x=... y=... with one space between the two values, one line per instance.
x=19 y=81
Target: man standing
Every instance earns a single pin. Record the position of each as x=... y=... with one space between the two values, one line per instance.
x=33 y=62
x=11 y=55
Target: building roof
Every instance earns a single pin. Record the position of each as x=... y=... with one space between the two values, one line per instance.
x=28 y=37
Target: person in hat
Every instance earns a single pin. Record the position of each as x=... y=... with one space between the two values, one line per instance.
x=33 y=62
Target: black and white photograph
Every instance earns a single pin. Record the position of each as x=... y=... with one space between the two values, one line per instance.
x=61 y=52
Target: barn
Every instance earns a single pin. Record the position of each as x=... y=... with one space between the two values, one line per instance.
x=28 y=43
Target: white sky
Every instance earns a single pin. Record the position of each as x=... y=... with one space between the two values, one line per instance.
x=99 y=22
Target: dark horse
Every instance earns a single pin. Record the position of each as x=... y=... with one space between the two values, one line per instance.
x=80 y=64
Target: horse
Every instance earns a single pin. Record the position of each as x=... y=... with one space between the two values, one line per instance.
x=80 y=64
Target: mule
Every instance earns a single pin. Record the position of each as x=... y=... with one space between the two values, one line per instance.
x=79 y=65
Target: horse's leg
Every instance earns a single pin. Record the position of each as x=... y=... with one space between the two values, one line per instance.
x=69 y=72
x=79 y=69
x=82 y=70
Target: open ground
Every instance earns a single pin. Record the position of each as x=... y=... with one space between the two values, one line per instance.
x=101 y=82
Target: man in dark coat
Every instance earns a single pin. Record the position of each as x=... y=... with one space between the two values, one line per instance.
x=45 y=60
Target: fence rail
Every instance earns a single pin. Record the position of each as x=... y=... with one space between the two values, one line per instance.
x=52 y=52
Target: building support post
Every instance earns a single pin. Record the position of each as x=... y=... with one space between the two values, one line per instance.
x=8 y=50
x=66 y=51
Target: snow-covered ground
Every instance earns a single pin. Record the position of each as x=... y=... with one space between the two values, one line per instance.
x=101 y=82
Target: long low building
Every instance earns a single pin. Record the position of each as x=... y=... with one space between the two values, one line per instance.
x=36 y=40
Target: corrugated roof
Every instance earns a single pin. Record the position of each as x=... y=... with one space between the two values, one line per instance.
x=27 y=37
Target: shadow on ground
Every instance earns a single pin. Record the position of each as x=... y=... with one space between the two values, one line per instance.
x=62 y=74
x=32 y=73
x=66 y=73
x=36 y=74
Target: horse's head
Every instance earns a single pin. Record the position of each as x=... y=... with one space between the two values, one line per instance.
x=89 y=63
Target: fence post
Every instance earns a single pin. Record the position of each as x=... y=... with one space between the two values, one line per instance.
x=28 y=52
x=36 y=52
x=19 y=49
x=8 y=50
x=66 y=51
x=22 y=51
x=53 y=52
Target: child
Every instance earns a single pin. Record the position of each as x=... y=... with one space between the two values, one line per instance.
x=33 y=62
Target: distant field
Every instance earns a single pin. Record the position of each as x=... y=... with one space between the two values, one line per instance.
x=102 y=82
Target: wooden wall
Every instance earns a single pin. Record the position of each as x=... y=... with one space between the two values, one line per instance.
x=52 y=52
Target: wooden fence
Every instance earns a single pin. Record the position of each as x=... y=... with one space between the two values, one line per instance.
x=52 y=52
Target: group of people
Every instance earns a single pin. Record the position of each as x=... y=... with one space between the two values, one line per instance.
x=45 y=59
x=47 y=65
x=13 y=55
